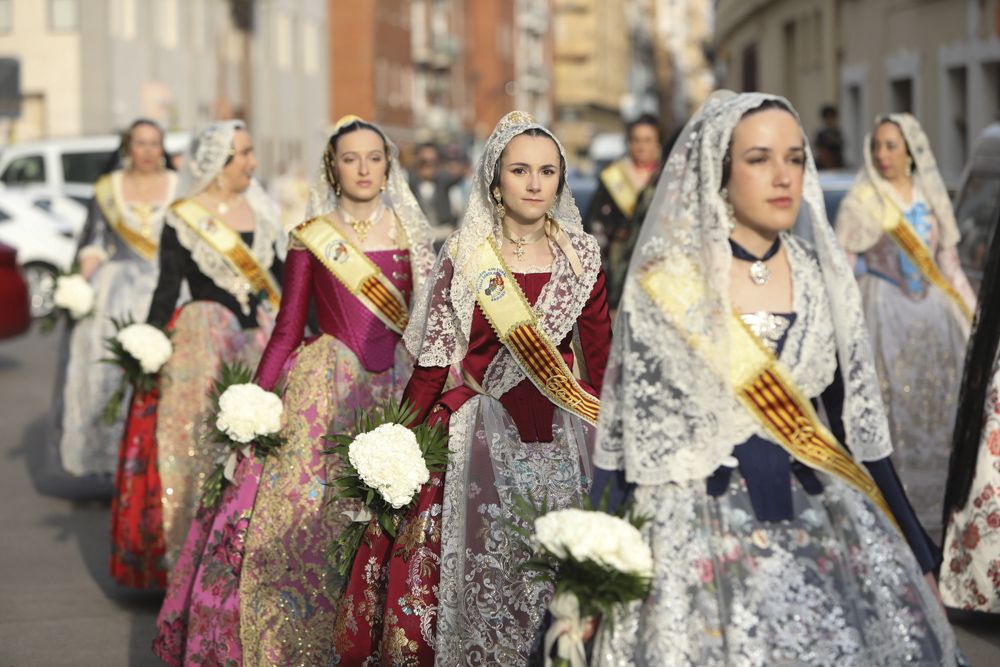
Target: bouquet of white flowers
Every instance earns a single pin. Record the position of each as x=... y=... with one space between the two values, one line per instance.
x=597 y=562
x=73 y=296
x=386 y=463
x=140 y=350
x=248 y=419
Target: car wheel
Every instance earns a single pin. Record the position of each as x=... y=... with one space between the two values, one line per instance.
x=41 y=279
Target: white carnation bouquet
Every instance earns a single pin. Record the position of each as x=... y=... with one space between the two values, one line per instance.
x=74 y=296
x=386 y=462
x=598 y=562
x=248 y=419
x=140 y=350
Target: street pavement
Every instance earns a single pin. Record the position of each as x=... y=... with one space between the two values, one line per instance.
x=58 y=606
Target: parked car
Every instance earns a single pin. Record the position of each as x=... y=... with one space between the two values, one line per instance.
x=976 y=203
x=69 y=166
x=45 y=246
x=15 y=312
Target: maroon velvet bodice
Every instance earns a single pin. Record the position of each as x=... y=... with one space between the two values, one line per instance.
x=530 y=409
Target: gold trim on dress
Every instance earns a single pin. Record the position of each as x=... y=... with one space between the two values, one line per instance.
x=621 y=188
x=143 y=246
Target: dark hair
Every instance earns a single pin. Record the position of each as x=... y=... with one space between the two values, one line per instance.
x=330 y=153
x=882 y=120
x=828 y=110
x=727 y=160
x=125 y=145
x=979 y=358
x=532 y=132
x=645 y=119
x=427 y=144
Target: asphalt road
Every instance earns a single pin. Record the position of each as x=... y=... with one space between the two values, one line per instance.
x=58 y=606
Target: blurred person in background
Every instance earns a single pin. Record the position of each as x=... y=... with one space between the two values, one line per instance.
x=117 y=254
x=431 y=184
x=828 y=144
x=290 y=189
x=917 y=300
x=610 y=215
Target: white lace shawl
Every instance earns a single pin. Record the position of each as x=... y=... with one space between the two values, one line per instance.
x=206 y=159
x=666 y=416
x=438 y=333
x=859 y=224
x=398 y=198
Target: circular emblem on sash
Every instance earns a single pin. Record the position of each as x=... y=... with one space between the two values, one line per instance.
x=336 y=251
x=491 y=283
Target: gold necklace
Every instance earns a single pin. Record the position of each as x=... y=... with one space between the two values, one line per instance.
x=362 y=226
x=520 y=243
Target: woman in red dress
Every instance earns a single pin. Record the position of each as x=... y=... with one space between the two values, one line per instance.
x=515 y=291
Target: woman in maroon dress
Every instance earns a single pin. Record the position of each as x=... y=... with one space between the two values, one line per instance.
x=514 y=292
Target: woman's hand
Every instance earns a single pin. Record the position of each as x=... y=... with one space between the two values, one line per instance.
x=89 y=265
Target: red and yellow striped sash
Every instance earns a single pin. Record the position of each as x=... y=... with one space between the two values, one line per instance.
x=760 y=381
x=507 y=310
x=143 y=246
x=227 y=242
x=355 y=271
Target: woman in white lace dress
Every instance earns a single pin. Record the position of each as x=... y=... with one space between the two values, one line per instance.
x=917 y=306
x=774 y=544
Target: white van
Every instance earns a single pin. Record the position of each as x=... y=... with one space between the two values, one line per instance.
x=69 y=165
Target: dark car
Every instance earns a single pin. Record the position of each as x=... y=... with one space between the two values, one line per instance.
x=15 y=312
x=975 y=205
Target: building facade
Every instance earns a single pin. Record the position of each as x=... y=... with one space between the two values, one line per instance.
x=938 y=59
x=591 y=70
x=182 y=63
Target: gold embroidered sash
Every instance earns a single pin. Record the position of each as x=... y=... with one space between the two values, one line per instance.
x=227 y=242
x=355 y=271
x=761 y=382
x=620 y=187
x=899 y=230
x=142 y=245
x=514 y=321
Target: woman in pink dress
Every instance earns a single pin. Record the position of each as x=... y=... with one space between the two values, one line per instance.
x=254 y=584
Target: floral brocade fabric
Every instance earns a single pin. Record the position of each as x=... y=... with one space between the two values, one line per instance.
x=970 y=573
x=289 y=590
x=137 y=548
x=205 y=335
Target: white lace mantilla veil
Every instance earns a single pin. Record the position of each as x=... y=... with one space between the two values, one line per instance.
x=438 y=333
x=205 y=160
x=666 y=416
x=397 y=197
x=859 y=227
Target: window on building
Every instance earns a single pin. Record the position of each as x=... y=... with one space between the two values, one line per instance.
x=64 y=15
x=24 y=170
x=167 y=23
x=901 y=95
x=854 y=124
x=6 y=16
x=750 y=69
x=956 y=113
x=792 y=60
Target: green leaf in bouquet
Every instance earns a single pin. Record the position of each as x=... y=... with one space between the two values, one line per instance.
x=211 y=490
x=389 y=522
x=346 y=547
x=112 y=409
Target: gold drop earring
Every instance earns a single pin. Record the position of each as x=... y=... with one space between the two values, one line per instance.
x=501 y=211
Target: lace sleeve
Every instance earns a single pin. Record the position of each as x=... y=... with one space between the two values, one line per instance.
x=435 y=335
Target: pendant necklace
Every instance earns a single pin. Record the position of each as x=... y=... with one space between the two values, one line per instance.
x=759 y=273
x=363 y=226
x=519 y=244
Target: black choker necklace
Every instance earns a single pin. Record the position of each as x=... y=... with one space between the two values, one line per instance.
x=759 y=273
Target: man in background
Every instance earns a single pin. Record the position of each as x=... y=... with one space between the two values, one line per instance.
x=610 y=215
